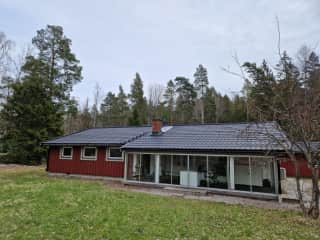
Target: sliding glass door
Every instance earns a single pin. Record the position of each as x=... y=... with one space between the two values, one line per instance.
x=141 y=167
x=180 y=174
x=252 y=174
x=217 y=172
x=165 y=170
x=262 y=175
x=198 y=172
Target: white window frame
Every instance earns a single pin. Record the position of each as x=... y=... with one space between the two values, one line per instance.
x=63 y=156
x=94 y=158
x=109 y=158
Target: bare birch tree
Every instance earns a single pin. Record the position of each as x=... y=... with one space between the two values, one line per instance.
x=292 y=98
x=96 y=102
x=155 y=100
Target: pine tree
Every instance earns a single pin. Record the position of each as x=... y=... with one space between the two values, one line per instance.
x=34 y=111
x=61 y=67
x=201 y=84
x=261 y=88
x=123 y=107
x=134 y=119
x=31 y=117
x=71 y=117
x=209 y=101
x=312 y=70
x=85 y=116
x=109 y=110
x=169 y=100
x=138 y=101
x=5 y=87
x=186 y=96
x=238 y=109
x=288 y=98
x=226 y=109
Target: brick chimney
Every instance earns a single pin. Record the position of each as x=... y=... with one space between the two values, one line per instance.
x=156 y=126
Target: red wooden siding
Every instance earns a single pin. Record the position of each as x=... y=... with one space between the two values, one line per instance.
x=289 y=166
x=99 y=167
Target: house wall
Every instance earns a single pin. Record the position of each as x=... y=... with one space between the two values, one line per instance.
x=289 y=166
x=289 y=184
x=289 y=188
x=99 y=167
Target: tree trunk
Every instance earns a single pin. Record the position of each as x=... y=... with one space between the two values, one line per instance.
x=202 y=112
x=297 y=176
x=314 y=204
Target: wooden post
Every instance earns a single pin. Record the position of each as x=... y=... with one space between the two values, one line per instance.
x=157 y=167
x=231 y=173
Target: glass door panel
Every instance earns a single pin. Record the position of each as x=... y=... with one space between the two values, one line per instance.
x=147 y=168
x=262 y=175
x=242 y=174
x=197 y=171
x=180 y=175
x=217 y=172
x=133 y=167
x=165 y=169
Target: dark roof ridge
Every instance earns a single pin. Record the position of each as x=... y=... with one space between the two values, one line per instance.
x=140 y=126
x=224 y=123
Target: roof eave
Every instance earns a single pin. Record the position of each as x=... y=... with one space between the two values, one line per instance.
x=81 y=144
x=231 y=151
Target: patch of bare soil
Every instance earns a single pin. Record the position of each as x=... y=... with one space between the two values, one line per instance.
x=15 y=166
x=10 y=165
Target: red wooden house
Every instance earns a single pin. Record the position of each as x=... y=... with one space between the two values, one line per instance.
x=231 y=158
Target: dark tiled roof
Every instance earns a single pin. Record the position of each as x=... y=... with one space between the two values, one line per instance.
x=229 y=136
x=313 y=145
x=101 y=136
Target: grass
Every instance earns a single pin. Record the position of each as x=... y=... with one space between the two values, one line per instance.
x=34 y=206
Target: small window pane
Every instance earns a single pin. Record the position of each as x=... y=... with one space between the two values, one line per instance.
x=115 y=153
x=89 y=152
x=67 y=152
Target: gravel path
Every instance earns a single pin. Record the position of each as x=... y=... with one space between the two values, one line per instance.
x=268 y=204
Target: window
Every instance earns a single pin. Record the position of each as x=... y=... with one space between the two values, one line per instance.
x=283 y=174
x=254 y=174
x=141 y=167
x=66 y=153
x=89 y=153
x=114 y=154
x=242 y=173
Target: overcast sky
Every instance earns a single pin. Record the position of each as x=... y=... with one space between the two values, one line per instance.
x=164 y=39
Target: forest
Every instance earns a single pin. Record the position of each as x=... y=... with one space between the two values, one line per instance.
x=36 y=102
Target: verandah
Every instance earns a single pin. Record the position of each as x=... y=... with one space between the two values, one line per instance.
x=243 y=173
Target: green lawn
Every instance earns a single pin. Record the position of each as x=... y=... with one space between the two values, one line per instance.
x=34 y=206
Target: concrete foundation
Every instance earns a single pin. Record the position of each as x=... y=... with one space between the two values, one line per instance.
x=289 y=188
